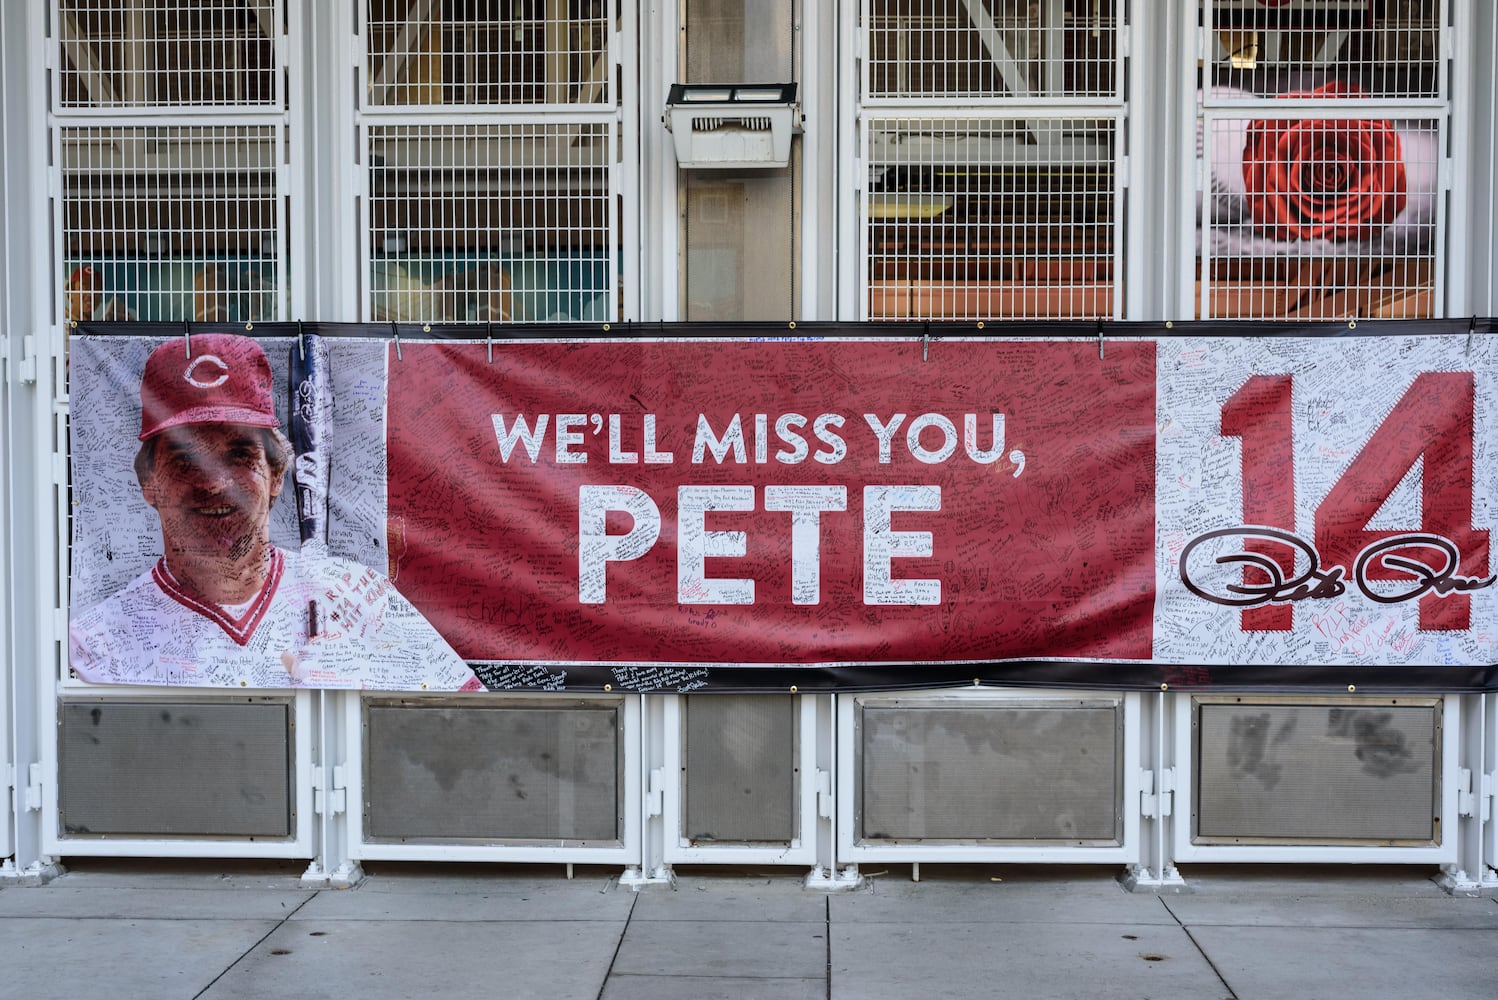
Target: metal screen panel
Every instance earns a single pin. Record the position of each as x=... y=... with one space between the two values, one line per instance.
x=1392 y=46
x=215 y=54
x=1321 y=214
x=488 y=53
x=1322 y=141
x=445 y=772
x=1011 y=49
x=1031 y=774
x=1011 y=218
x=174 y=769
x=739 y=764
x=492 y=222
x=1310 y=774
x=173 y=222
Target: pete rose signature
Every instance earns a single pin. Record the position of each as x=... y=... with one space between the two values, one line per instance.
x=1412 y=578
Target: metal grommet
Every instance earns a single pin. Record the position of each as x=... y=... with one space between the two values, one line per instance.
x=423 y=685
x=1352 y=324
x=1351 y=688
x=980 y=324
x=426 y=328
x=977 y=682
x=794 y=689
x=1164 y=687
x=608 y=687
x=249 y=326
x=792 y=324
x=605 y=328
x=1170 y=325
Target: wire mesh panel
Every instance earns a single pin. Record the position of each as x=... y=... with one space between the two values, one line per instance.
x=1390 y=47
x=172 y=223
x=1322 y=141
x=1013 y=49
x=173 y=53
x=491 y=222
x=991 y=218
x=488 y=52
x=1321 y=214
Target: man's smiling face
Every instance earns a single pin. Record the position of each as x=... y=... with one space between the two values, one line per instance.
x=213 y=487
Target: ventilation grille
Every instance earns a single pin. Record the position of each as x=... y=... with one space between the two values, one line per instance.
x=739 y=783
x=532 y=772
x=1048 y=774
x=1317 y=774
x=174 y=769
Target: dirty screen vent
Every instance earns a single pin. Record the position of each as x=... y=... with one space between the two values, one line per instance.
x=740 y=769
x=547 y=772
x=174 y=769
x=1048 y=773
x=1317 y=774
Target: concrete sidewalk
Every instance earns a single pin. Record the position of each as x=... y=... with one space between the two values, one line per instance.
x=137 y=930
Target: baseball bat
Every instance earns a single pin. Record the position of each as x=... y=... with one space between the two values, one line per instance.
x=310 y=424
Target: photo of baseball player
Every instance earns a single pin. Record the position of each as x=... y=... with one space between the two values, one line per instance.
x=223 y=605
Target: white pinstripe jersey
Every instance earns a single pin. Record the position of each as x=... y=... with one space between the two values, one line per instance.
x=318 y=622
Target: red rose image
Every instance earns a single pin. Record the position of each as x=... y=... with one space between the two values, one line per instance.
x=1311 y=178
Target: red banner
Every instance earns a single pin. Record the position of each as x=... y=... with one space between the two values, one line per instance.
x=777 y=501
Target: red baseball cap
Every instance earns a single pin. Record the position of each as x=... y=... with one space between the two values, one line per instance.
x=223 y=379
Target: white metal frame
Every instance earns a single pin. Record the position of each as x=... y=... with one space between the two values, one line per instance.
x=669 y=783
x=299 y=845
x=629 y=853
x=1444 y=853
x=1126 y=852
x=51 y=447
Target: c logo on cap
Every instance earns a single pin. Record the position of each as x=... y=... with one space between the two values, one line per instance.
x=223 y=375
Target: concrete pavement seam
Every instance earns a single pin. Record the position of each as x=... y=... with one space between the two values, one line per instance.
x=619 y=944
x=1200 y=950
x=827 y=973
x=279 y=924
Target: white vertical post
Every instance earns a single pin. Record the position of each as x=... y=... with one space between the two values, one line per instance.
x=851 y=295
x=328 y=246
x=30 y=619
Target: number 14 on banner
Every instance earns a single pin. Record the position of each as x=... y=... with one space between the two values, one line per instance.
x=1437 y=562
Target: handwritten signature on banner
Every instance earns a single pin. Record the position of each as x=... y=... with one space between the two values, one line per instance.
x=1411 y=578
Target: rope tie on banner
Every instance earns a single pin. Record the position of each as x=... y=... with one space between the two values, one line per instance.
x=396 y=333
x=187 y=339
x=1100 y=340
x=1471 y=329
x=925 y=340
x=301 y=344
x=489 y=339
